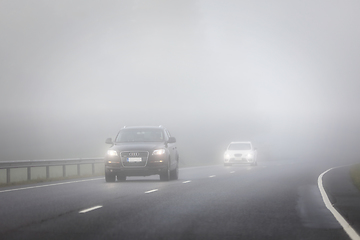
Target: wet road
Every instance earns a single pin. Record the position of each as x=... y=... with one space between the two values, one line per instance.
x=274 y=200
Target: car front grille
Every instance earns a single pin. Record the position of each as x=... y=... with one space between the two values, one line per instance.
x=134 y=158
x=237 y=155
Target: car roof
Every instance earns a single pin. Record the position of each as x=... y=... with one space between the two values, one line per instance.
x=136 y=127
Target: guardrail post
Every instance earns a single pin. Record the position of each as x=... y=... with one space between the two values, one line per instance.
x=64 y=170
x=93 y=168
x=28 y=173
x=78 y=169
x=8 y=175
x=47 y=172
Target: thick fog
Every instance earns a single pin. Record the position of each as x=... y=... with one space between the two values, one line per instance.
x=282 y=74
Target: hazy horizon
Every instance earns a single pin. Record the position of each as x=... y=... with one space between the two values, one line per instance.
x=282 y=74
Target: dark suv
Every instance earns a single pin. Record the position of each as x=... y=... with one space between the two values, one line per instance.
x=142 y=151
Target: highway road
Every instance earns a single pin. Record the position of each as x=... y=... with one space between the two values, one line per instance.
x=274 y=200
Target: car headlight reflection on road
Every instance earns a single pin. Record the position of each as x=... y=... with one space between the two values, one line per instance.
x=112 y=153
x=158 y=152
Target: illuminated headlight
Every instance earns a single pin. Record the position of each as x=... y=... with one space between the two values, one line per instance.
x=158 y=152
x=226 y=155
x=249 y=155
x=112 y=153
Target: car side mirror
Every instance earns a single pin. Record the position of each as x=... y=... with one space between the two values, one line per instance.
x=109 y=141
x=171 y=140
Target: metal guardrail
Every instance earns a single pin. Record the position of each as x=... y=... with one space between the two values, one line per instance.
x=47 y=163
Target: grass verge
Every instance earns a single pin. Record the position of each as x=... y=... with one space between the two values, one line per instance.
x=355 y=175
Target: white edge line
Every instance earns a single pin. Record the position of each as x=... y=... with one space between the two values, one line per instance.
x=187 y=181
x=151 y=191
x=90 y=209
x=48 y=185
x=346 y=226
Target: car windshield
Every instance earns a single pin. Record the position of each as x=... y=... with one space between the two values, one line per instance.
x=239 y=146
x=140 y=135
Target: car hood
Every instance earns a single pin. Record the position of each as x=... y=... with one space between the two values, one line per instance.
x=137 y=146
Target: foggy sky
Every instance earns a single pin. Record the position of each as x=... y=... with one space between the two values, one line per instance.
x=283 y=74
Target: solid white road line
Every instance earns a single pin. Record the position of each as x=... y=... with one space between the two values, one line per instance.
x=151 y=191
x=49 y=185
x=212 y=176
x=348 y=229
x=187 y=181
x=90 y=209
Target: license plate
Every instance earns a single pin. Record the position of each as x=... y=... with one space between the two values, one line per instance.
x=138 y=159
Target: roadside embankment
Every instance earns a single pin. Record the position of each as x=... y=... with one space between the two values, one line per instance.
x=355 y=175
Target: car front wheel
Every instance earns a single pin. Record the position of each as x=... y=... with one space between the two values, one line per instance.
x=174 y=174
x=121 y=177
x=109 y=177
x=165 y=175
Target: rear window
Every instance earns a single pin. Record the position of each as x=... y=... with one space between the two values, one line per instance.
x=239 y=146
x=140 y=135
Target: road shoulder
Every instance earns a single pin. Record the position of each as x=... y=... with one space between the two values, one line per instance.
x=343 y=195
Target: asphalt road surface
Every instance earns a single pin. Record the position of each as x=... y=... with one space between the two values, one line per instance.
x=274 y=200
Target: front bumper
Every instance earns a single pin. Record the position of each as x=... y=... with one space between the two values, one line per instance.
x=239 y=160
x=136 y=171
x=151 y=165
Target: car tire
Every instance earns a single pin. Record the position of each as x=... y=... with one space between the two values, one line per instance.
x=165 y=175
x=121 y=177
x=109 y=177
x=174 y=174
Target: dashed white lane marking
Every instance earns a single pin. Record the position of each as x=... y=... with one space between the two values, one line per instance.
x=49 y=185
x=187 y=181
x=232 y=172
x=90 y=209
x=151 y=191
x=348 y=229
x=212 y=176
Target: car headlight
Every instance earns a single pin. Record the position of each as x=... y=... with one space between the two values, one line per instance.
x=158 y=152
x=112 y=153
x=249 y=155
x=226 y=155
